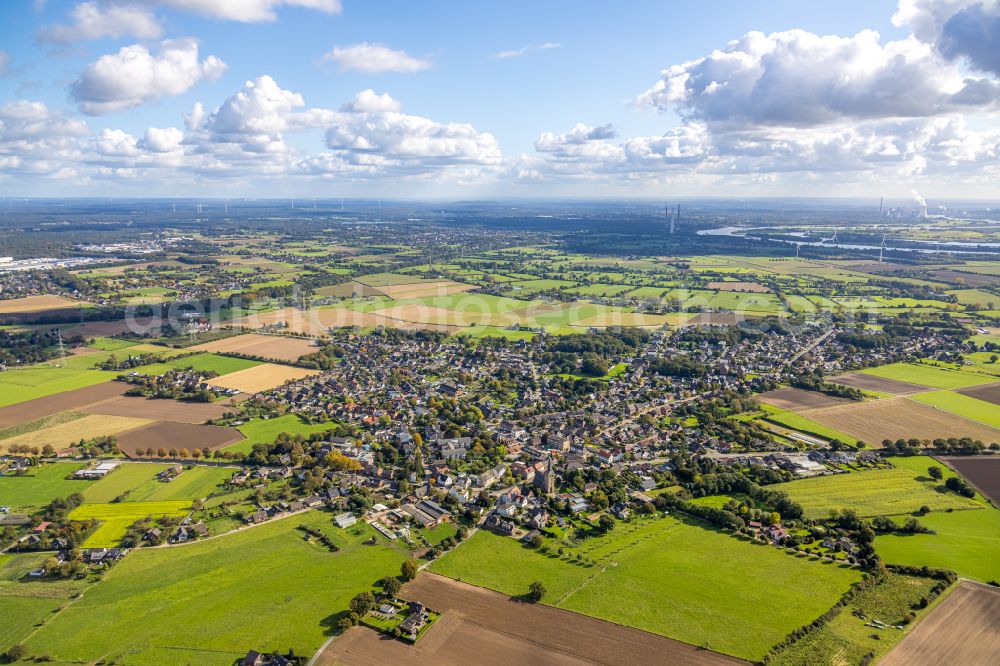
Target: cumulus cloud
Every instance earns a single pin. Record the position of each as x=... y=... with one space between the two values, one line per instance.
x=798 y=79
x=374 y=59
x=94 y=21
x=249 y=11
x=35 y=139
x=135 y=75
x=161 y=140
x=525 y=50
x=960 y=29
x=380 y=130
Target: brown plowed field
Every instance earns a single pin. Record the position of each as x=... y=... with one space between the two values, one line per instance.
x=92 y=329
x=160 y=410
x=865 y=382
x=986 y=392
x=797 y=399
x=282 y=348
x=964 y=629
x=60 y=402
x=982 y=471
x=893 y=418
x=177 y=436
x=486 y=628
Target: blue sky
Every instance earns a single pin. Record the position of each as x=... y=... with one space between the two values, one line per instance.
x=76 y=111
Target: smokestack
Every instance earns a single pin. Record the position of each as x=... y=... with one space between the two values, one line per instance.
x=881 y=200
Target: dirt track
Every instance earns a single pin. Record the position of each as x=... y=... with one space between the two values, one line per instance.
x=60 y=402
x=486 y=628
x=964 y=629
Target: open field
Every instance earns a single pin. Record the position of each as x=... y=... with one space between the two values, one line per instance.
x=846 y=640
x=927 y=375
x=282 y=348
x=640 y=564
x=116 y=518
x=262 y=377
x=982 y=472
x=191 y=484
x=38 y=381
x=31 y=410
x=987 y=393
x=425 y=289
x=39 y=487
x=956 y=403
x=879 y=492
x=205 y=362
x=36 y=304
x=804 y=424
x=177 y=436
x=966 y=542
x=876 y=420
x=963 y=629
x=480 y=626
x=159 y=410
x=265 y=431
x=124 y=478
x=859 y=380
x=264 y=587
x=796 y=399
x=68 y=434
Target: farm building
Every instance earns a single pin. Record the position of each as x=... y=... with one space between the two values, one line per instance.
x=344 y=520
x=97 y=472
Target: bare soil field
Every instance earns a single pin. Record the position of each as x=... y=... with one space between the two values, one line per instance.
x=865 y=382
x=348 y=290
x=316 y=322
x=893 y=418
x=982 y=471
x=717 y=319
x=986 y=392
x=36 y=304
x=798 y=399
x=93 y=329
x=282 y=348
x=480 y=626
x=963 y=629
x=425 y=289
x=971 y=279
x=174 y=411
x=751 y=287
x=67 y=434
x=60 y=402
x=261 y=377
x=176 y=436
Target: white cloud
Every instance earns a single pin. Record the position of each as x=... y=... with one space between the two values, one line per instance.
x=369 y=100
x=799 y=79
x=248 y=11
x=94 y=21
x=134 y=75
x=36 y=140
x=525 y=50
x=959 y=29
x=378 y=130
x=374 y=59
x=161 y=140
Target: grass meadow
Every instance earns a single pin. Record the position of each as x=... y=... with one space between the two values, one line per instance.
x=125 y=477
x=209 y=602
x=116 y=518
x=666 y=576
x=879 y=492
x=40 y=486
x=928 y=375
